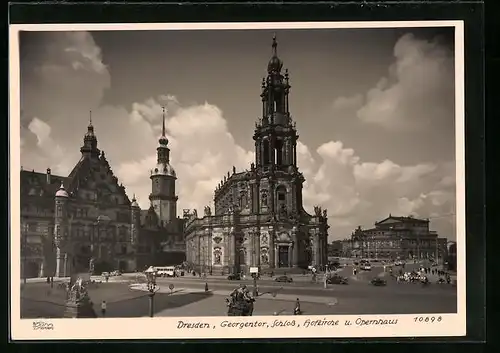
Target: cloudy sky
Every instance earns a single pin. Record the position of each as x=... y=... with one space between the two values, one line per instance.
x=374 y=109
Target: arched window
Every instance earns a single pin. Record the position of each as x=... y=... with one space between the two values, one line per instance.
x=278 y=152
x=281 y=197
x=266 y=152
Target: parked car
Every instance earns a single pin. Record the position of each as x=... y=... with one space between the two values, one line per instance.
x=365 y=266
x=284 y=279
x=234 y=277
x=378 y=282
x=337 y=280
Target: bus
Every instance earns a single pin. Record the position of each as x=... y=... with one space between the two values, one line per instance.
x=165 y=271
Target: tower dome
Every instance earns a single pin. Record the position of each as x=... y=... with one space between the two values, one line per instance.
x=134 y=203
x=164 y=169
x=62 y=191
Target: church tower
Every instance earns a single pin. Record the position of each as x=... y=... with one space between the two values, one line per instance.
x=163 y=177
x=275 y=139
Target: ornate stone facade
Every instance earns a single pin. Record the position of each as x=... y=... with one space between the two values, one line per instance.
x=91 y=224
x=259 y=218
x=396 y=238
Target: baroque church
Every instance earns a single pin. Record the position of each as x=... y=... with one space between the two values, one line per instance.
x=85 y=222
x=259 y=219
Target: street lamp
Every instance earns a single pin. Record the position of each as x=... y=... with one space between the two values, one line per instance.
x=152 y=289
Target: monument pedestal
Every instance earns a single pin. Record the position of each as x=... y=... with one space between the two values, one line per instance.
x=78 y=304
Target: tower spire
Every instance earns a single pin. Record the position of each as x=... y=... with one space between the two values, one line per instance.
x=163 y=139
x=275 y=45
x=163 y=127
x=90 y=118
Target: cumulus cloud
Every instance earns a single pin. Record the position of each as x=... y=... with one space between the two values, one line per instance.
x=418 y=90
x=47 y=152
x=202 y=152
x=67 y=77
x=360 y=193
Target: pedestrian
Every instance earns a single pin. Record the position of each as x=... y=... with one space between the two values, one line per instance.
x=103 y=308
x=51 y=282
x=354 y=271
x=297 y=310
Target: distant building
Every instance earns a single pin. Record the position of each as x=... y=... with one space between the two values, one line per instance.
x=85 y=221
x=259 y=217
x=452 y=256
x=397 y=237
x=335 y=248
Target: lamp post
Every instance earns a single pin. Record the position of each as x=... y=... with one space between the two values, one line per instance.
x=255 y=293
x=152 y=289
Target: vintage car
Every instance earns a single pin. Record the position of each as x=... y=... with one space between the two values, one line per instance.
x=365 y=266
x=378 y=282
x=284 y=278
x=337 y=279
x=234 y=277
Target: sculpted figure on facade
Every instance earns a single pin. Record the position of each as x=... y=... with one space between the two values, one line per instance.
x=264 y=257
x=264 y=198
x=208 y=211
x=217 y=256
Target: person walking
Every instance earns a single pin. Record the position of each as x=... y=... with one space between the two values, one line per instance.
x=296 y=310
x=103 y=308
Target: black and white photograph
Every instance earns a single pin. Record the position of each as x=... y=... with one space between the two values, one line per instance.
x=309 y=176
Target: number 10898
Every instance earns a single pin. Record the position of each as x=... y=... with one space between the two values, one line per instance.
x=429 y=319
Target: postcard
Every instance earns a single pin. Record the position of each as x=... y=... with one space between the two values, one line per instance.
x=237 y=180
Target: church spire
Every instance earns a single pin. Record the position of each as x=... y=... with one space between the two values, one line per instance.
x=275 y=46
x=163 y=127
x=163 y=139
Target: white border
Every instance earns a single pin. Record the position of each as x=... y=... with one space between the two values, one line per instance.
x=165 y=328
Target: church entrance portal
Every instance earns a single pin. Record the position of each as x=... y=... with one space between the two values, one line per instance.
x=31 y=270
x=82 y=259
x=122 y=266
x=283 y=256
x=241 y=262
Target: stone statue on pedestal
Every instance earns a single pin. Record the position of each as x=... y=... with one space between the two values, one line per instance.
x=78 y=303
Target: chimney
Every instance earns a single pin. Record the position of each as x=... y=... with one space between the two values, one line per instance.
x=49 y=180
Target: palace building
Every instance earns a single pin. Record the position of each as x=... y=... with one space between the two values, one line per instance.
x=85 y=222
x=396 y=238
x=259 y=219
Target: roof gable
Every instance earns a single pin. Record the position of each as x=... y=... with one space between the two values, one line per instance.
x=94 y=178
x=40 y=184
x=392 y=220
